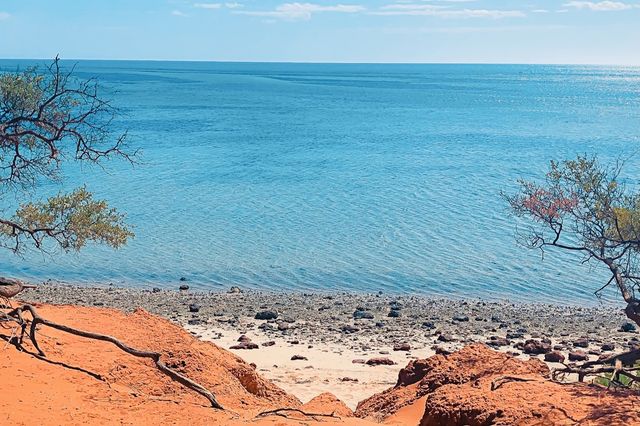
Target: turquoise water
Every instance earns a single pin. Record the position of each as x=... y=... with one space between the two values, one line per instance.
x=343 y=177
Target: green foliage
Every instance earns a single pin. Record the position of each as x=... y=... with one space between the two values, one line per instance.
x=47 y=118
x=584 y=207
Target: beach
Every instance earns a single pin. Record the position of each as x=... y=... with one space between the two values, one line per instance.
x=331 y=336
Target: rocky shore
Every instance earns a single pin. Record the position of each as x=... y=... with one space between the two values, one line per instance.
x=362 y=321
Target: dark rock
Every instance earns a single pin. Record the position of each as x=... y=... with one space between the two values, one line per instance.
x=608 y=346
x=184 y=287
x=498 y=341
x=183 y=279
x=554 y=357
x=98 y=303
x=394 y=314
x=362 y=315
x=581 y=343
x=380 y=361
x=266 y=315
x=441 y=351
x=445 y=338
x=194 y=321
x=244 y=338
x=269 y=343
x=429 y=325
x=515 y=335
x=578 y=356
x=348 y=329
x=536 y=347
x=404 y=347
x=235 y=289
x=245 y=345
x=194 y=307
x=358 y=361
x=299 y=358
x=628 y=327
x=156 y=290
x=461 y=318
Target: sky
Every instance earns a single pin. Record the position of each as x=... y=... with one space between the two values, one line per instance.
x=407 y=31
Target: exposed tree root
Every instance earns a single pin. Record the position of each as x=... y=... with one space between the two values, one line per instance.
x=282 y=412
x=497 y=383
x=619 y=365
x=16 y=315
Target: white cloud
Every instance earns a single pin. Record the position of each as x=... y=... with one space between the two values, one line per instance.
x=302 y=11
x=233 y=5
x=444 y=11
x=179 y=13
x=602 y=6
x=208 y=5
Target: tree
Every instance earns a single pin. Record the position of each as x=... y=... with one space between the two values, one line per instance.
x=47 y=118
x=584 y=207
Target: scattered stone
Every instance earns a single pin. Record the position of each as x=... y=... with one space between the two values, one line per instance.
x=581 y=343
x=283 y=326
x=348 y=329
x=498 y=341
x=394 y=314
x=441 y=351
x=184 y=287
x=445 y=338
x=299 y=358
x=578 y=356
x=194 y=307
x=183 y=279
x=554 y=357
x=628 y=327
x=269 y=343
x=430 y=325
x=404 y=347
x=266 y=315
x=358 y=361
x=156 y=290
x=234 y=289
x=380 y=361
x=461 y=318
x=362 y=315
x=349 y=379
x=245 y=345
x=608 y=346
x=536 y=347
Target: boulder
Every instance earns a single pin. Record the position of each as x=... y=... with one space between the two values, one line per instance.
x=554 y=356
x=578 y=356
x=380 y=361
x=266 y=315
x=536 y=347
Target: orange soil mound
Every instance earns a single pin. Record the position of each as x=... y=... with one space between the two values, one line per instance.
x=538 y=402
x=421 y=377
x=86 y=381
x=457 y=390
x=328 y=403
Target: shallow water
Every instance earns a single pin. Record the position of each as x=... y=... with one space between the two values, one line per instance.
x=343 y=177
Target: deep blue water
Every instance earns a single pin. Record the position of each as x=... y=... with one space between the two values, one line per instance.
x=343 y=177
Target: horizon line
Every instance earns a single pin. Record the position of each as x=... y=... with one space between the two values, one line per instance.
x=324 y=62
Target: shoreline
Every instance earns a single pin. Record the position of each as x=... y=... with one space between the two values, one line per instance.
x=321 y=328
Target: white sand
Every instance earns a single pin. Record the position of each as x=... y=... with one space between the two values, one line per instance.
x=325 y=369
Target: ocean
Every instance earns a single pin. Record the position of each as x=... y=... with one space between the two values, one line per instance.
x=341 y=177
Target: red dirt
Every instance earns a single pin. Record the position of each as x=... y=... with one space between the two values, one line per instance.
x=90 y=382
